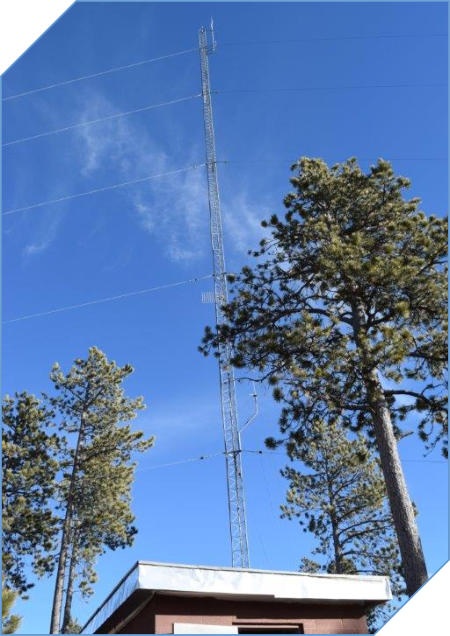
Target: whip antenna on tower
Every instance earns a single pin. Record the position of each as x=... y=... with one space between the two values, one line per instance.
x=233 y=451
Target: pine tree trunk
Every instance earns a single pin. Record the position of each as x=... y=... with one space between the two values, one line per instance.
x=413 y=560
x=59 y=584
x=337 y=547
x=69 y=592
x=65 y=540
x=334 y=526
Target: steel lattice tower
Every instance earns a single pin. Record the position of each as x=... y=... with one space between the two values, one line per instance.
x=233 y=454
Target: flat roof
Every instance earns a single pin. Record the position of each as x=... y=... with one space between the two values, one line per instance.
x=239 y=583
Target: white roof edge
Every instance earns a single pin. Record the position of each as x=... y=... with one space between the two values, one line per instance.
x=294 y=586
x=229 y=568
x=226 y=581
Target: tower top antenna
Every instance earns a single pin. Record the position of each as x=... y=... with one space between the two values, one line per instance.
x=213 y=37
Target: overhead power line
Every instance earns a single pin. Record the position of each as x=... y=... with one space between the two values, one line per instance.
x=100 y=119
x=182 y=461
x=193 y=49
x=107 y=300
x=270 y=452
x=104 y=189
x=171 y=172
x=324 y=88
x=283 y=160
x=200 y=458
x=92 y=75
x=338 y=38
x=217 y=92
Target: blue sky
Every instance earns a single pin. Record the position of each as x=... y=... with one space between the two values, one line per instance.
x=154 y=233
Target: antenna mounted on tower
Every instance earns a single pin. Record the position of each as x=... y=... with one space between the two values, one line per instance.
x=213 y=37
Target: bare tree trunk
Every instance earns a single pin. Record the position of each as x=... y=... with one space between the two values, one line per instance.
x=69 y=592
x=413 y=560
x=60 y=574
x=65 y=540
x=337 y=546
x=334 y=526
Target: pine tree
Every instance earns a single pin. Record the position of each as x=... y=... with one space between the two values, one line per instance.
x=103 y=516
x=10 y=622
x=29 y=467
x=73 y=627
x=95 y=495
x=344 y=312
x=339 y=496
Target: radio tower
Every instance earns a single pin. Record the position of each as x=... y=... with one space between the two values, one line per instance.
x=233 y=455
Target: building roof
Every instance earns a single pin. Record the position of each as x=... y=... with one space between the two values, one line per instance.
x=238 y=584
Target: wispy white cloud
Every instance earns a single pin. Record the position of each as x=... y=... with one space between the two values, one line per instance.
x=242 y=221
x=37 y=229
x=118 y=145
x=176 y=213
x=182 y=420
x=173 y=210
x=44 y=235
x=35 y=248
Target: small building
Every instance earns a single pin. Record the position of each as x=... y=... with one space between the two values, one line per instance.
x=161 y=598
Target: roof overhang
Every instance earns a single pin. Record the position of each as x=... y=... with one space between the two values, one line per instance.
x=147 y=578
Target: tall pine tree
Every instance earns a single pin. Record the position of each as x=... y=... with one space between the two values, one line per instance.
x=30 y=463
x=337 y=493
x=103 y=516
x=95 y=492
x=345 y=311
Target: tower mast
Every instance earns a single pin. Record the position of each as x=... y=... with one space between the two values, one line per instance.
x=233 y=454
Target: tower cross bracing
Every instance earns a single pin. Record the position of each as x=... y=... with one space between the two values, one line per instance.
x=232 y=441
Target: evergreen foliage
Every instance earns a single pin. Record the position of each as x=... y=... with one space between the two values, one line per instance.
x=339 y=496
x=29 y=469
x=10 y=622
x=344 y=313
x=73 y=627
x=66 y=495
x=98 y=470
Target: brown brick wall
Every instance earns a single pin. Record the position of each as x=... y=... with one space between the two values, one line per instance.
x=163 y=611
